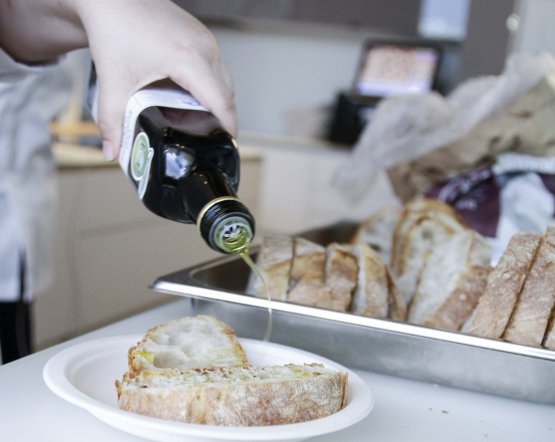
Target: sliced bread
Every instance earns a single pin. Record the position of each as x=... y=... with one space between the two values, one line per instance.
x=377 y=231
x=236 y=396
x=549 y=338
x=423 y=224
x=190 y=342
x=504 y=285
x=530 y=318
x=307 y=277
x=340 y=275
x=274 y=261
x=371 y=297
x=453 y=279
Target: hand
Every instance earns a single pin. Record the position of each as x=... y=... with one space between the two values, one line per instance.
x=133 y=43
x=136 y=42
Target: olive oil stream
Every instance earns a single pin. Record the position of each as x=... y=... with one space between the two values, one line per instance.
x=237 y=240
x=256 y=270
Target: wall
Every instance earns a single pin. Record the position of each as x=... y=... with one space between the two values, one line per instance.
x=536 y=30
x=286 y=77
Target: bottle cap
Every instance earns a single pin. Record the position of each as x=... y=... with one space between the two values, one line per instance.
x=226 y=225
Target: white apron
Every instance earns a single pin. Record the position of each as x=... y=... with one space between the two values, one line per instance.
x=29 y=98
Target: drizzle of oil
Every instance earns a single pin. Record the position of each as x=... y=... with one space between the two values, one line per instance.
x=256 y=270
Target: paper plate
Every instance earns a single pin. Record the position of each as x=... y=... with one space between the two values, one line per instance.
x=84 y=375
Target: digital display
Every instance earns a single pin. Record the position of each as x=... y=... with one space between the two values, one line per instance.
x=389 y=69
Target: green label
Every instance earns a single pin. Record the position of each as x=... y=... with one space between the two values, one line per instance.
x=141 y=159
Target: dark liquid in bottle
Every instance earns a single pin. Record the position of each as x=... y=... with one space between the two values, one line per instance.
x=194 y=175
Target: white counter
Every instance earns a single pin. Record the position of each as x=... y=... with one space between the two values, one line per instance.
x=405 y=410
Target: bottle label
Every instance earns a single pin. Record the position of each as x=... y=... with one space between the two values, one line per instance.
x=149 y=97
x=141 y=159
x=166 y=95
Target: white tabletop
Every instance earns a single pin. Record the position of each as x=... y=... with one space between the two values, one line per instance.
x=405 y=410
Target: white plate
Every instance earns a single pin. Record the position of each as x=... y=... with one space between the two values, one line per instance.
x=85 y=373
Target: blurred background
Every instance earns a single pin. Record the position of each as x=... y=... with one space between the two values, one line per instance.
x=308 y=75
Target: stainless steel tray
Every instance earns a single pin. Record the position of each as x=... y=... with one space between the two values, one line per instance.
x=218 y=288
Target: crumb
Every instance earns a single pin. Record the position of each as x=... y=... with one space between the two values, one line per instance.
x=444 y=411
x=486 y=435
x=431 y=409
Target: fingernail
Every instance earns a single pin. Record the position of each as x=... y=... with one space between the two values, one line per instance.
x=108 y=150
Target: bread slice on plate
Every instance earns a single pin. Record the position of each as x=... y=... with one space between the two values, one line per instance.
x=274 y=261
x=190 y=342
x=530 y=318
x=236 y=396
x=504 y=285
x=454 y=278
x=377 y=231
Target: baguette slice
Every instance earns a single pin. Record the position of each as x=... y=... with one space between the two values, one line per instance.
x=454 y=278
x=190 y=342
x=371 y=296
x=397 y=307
x=307 y=278
x=377 y=231
x=423 y=224
x=236 y=396
x=532 y=312
x=549 y=339
x=504 y=285
x=340 y=276
x=274 y=262
x=444 y=217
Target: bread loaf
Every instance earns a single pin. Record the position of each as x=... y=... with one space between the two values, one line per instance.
x=190 y=342
x=504 y=285
x=529 y=321
x=235 y=396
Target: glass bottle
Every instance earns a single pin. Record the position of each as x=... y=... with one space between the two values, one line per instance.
x=184 y=165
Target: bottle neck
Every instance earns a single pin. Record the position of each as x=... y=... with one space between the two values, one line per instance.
x=200 y=188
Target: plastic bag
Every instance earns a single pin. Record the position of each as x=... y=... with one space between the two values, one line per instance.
x=408 y=127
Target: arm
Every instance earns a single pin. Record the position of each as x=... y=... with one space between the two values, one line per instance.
x=133 y=43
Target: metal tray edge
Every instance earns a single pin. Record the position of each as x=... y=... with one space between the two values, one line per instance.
x=195 y=290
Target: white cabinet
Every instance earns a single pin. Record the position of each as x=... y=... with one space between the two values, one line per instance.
x=110 y=248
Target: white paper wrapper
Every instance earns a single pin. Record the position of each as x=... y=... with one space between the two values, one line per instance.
x=407 y=127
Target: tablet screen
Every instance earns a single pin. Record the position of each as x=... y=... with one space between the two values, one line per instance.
x=390 y=69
